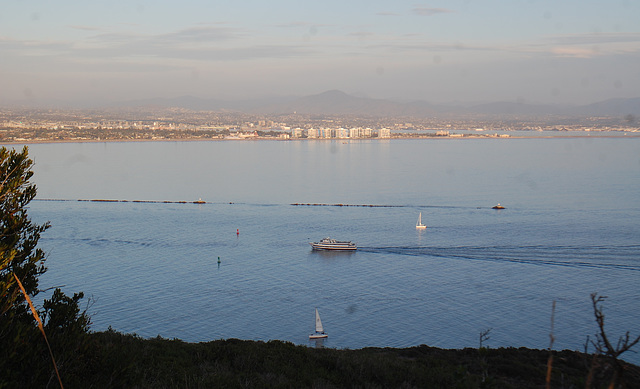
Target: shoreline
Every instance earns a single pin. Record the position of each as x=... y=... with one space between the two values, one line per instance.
x=344 y=140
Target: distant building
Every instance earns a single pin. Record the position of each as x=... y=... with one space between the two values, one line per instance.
x=325 y=133
x=358 y=132
x=384 y=133
x=312 y=133
x=297 y=133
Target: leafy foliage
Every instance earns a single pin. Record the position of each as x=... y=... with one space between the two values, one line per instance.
x=18 y=235
x=24 y=358
x=62 y=314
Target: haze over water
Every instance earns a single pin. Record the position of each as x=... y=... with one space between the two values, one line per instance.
x=569 y=229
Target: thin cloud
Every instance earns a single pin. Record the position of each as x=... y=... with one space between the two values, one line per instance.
x=423 y=11
x=434 y=46
x=199 y=34
x=594 y=38
x=157 y=48
x=574 y=52
x=570 y=45
x=34 y=48
x=362 y=34
x=201 y=43
x=294 y=25
x=85 y=28
x=589 y=45
x=123 y=65
x=256 y=52
x=114 y=38
x=192 y=35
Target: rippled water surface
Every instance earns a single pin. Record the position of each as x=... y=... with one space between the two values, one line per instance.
x=570 y=228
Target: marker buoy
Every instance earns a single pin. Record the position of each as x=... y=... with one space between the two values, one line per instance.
x=238 y=231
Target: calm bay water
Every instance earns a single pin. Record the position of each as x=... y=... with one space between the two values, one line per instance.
x=570 y=228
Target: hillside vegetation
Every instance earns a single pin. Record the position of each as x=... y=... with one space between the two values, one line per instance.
x=112 y=359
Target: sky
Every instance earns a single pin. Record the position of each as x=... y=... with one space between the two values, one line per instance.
x=533 y=51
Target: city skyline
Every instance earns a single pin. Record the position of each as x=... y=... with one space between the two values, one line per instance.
x=526 y=51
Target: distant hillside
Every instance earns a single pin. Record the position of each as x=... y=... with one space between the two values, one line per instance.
x=612 y=107
x=200 y=104
x=502 y=108
x=335 y=102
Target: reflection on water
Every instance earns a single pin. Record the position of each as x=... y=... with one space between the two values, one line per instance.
x=331 y=254
x=317 y=343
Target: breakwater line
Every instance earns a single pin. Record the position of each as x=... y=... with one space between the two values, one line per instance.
x=376 y=205
x=200 y=201
x=207 y=202
x=148 y=201
x=133 y=201
x=347 y=205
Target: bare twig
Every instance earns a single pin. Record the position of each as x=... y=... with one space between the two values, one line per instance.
x=603 y=345
x=484 y=336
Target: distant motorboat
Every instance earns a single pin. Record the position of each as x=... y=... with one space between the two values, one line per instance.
x=319 y=334
x=498 y=206
x=419 y=225
x=332 y=244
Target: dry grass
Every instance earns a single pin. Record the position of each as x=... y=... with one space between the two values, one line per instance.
x=41 y=327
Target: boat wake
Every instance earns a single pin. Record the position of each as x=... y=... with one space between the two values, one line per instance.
x=599 y=257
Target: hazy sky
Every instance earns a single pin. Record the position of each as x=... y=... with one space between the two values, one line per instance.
x=537 y=51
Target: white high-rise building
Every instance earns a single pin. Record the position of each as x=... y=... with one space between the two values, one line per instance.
x=296 y=133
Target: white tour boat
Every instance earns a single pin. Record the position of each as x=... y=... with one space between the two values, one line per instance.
x=332 y=244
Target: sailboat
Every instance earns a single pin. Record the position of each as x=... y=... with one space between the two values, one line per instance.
x=319 y=334
x=419 y=225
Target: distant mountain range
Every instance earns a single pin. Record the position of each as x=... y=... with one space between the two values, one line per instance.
x=335 y=102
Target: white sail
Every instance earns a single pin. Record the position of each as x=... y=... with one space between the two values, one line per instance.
x=319 y=334
x=419 y=224
x=318 y=322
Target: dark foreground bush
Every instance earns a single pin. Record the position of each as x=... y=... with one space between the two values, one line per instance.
x=114 y=360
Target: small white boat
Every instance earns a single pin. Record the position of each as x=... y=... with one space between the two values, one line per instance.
x=319 y=334
x=332 y=244
x=419 y=225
